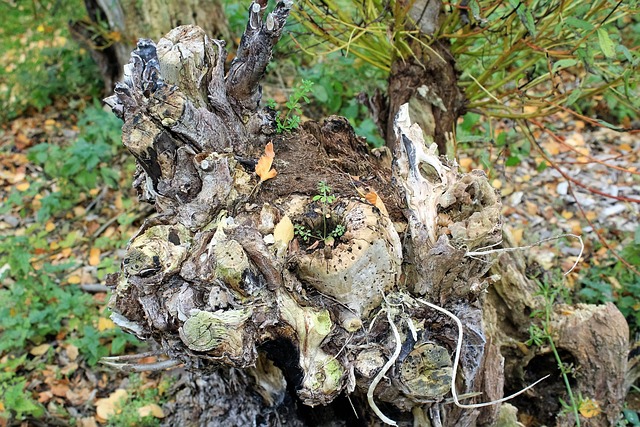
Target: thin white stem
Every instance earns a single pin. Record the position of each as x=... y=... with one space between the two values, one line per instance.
x=456 y=361
x=539 y=242
x=383 y=372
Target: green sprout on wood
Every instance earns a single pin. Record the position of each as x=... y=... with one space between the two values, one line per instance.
x=325 y=198
x=291 y=119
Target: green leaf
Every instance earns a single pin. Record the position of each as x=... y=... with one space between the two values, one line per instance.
x=564 y=63
x=610 y=126
x=606 y=44
x=525 y=16
x=512 y=161
x=578 y=23
x=573 y=97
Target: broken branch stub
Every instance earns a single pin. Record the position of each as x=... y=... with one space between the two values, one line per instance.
x=219 y=278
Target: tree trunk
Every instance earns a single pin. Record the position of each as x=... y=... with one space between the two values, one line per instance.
x=113 y=27
x=330 y=293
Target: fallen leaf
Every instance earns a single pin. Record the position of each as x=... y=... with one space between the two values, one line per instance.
x=517 y=236
x=72 y=352
x=44 y=396
x=74 y=280
x=496 y=183
x=87 y=422
x=94 y=256
x=60 y=388
x=50 y=226
x=283 y=231
x=567 y=215
x=79 y=211
x=263 y=168
x=108 y=406
x=39 y=350
x=589 y=408
x=105 y=324
x=24 y=186
x=79 y=396
x=69 y=369
x=151 y=409
x=465 y=164
x=371 y=197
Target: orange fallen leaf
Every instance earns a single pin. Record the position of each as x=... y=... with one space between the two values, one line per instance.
x=263 y=168
x=371 y=197
x=49 y=226
x=94 y=256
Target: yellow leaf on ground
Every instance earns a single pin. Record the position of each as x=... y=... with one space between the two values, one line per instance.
x=49 y=226
x=283 y=231
x=94 y=256
x=151 y=409
x=23 y=186
x=465 y=164
x=39 y=350
x=567 y=214
x=263 y=168
x=576 y=227
x=517 y=235
x=496 y=183
x=74 y=280
x=109 y=406
x=104 y=324
x=49 y=122
x=589 y=408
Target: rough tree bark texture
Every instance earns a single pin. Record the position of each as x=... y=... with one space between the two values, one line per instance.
x=275 y=329
x=113 y=27
x=428 y=81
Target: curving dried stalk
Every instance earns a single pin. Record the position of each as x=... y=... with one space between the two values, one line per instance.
x=264 y=322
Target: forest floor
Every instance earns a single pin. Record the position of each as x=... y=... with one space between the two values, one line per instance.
x=67 y=213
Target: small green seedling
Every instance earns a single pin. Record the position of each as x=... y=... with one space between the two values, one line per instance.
x=325 y=198
x=291 y=119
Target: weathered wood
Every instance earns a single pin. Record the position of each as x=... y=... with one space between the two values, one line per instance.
x=220 y=282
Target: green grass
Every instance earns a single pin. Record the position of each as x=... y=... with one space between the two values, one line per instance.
x=41 y=62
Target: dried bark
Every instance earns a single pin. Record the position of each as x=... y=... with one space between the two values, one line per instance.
x=265 y=321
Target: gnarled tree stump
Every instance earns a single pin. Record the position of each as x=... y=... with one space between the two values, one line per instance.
x=286 y=306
